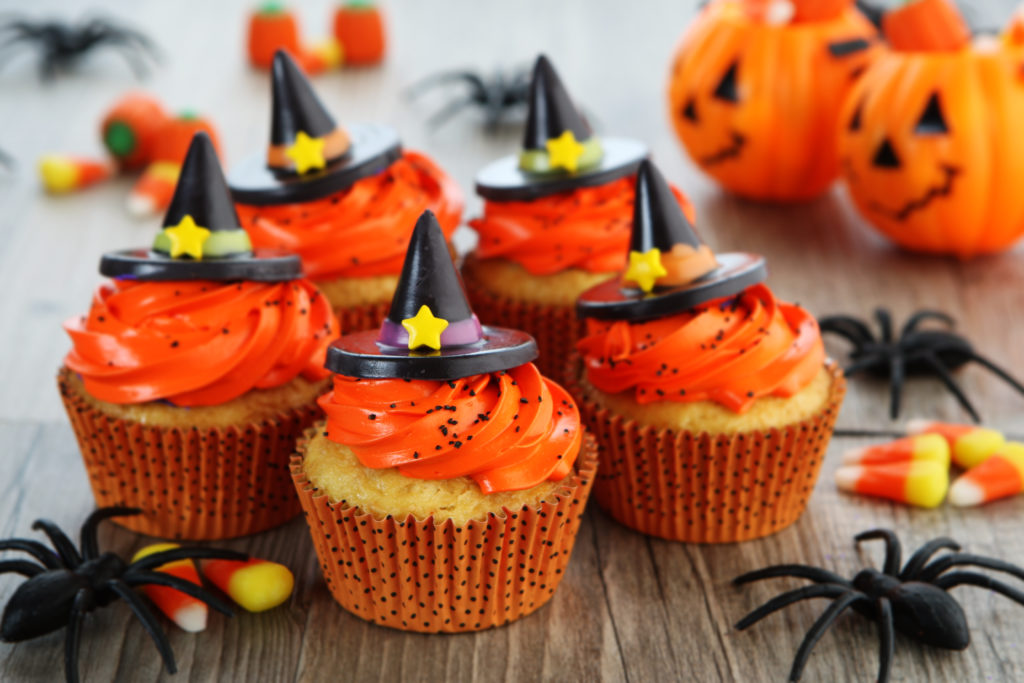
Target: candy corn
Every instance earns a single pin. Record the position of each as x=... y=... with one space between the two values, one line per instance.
x=918 y=482
x=187 y=612
x=62 y=174
x=969 y=444
x=256 y=585
x=999 y=476
x=931 y=447
x=154 y=189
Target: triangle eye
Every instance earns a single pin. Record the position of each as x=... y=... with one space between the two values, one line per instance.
x=690 y=110
x=726 y=88
x=855 y=119
x=932 y=122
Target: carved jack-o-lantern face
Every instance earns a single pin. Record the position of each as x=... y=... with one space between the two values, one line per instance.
x=930 y=151
x=756 y=103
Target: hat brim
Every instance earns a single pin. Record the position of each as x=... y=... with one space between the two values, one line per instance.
x=359 y=355
x=611 y=301
x=373 y=147
x=504 y=181
x=145 y=264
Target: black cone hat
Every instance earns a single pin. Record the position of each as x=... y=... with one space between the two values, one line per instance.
x=300 y=122
x=201 y=238
x=431 y=331
x=202 y=191
x=560 y=152
x=551 y=112
x=295 y=106
x=429 y=277
x=664 y=244
x=657 y=220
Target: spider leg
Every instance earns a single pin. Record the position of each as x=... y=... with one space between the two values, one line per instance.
x=134 y=579
x=36 y=549
x=998 y=371
x=863 y=363
x=940 y=565
x=886 y=639
x=23 y=567
x=430 y=82
x=917 y=561
x=73 y=637
x=847 y=327
x=184 y=553
x=884 y=324
x=89 y=542
x=896 y=375
x=818 y=629
x=442 y=116
x=821 y=590
x=893 y=551
x=950 y=383
x=921 y=316
x=953 y=579
x=802 y=571
x=65 y=548
x=149 y=622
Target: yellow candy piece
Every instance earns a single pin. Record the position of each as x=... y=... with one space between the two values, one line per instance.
x=256 y=585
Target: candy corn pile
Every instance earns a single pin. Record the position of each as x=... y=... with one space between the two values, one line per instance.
x=916 y=469
x=255 y=585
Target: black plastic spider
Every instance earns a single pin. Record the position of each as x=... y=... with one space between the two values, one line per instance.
x=64 y=44
x=64 y=585
x=913 y=352
x=496 y=96
x=913 y=601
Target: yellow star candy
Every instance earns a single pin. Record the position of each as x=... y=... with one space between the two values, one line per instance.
x=187 y=238
x=307 y=153
x=425 y=329
x=564 y=152
x=645 y=268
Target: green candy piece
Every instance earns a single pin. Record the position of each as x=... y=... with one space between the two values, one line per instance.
x=272 y=7
x=119 y=139
x=537 y=161
x=220 y=243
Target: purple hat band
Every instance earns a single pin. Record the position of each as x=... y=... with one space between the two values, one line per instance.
x=459 y=333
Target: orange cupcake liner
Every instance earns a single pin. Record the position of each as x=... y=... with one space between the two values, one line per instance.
x=556 y=328
x=192 y=484
x=708 y=488
x=362 y=317
x=418 y=575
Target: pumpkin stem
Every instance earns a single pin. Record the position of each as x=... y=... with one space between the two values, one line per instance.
x=926 y=26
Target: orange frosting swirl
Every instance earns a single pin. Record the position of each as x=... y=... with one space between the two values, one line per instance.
x=198 y=343
x=508 y=430
x=363 y=230
x=731 y=351
x=586 y=228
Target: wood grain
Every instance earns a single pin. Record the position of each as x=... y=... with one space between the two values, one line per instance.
x=630 y=607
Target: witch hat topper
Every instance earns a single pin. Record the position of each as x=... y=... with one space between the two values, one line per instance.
x=310 y=156
x=201 y=237
x=670 y=270
x=560 y=151
x=430 y=331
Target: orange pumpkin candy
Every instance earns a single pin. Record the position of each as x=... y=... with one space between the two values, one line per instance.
x=929 y=142
x=756 y=89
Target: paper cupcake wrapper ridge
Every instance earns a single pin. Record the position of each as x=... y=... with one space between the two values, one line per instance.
x=192 y=484
x=418 y=575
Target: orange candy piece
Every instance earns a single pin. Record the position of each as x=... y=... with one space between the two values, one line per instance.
x=1000 y=476
x=256 y=585
x=922 y=483
x=187 y=612
x=969 y=444
x=63 y=174
x=919 y=447
x=359 y=27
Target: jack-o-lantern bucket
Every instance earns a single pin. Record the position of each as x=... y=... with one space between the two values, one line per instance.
x=928 y=136
x=756 y=88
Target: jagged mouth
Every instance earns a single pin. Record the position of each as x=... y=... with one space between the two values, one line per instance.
x=730 y=152
x=914 y=205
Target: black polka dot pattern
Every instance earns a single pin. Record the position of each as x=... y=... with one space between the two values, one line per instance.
x=421 y=576
x=192 y=484
x=705 y=488
x=359 y=318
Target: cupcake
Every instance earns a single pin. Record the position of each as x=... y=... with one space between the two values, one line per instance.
x=196 y=369
x=344 y=200
x=712 y=401
x=555 y=222
x=445 y=489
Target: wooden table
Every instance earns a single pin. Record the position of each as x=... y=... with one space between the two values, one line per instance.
x=630 y=607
